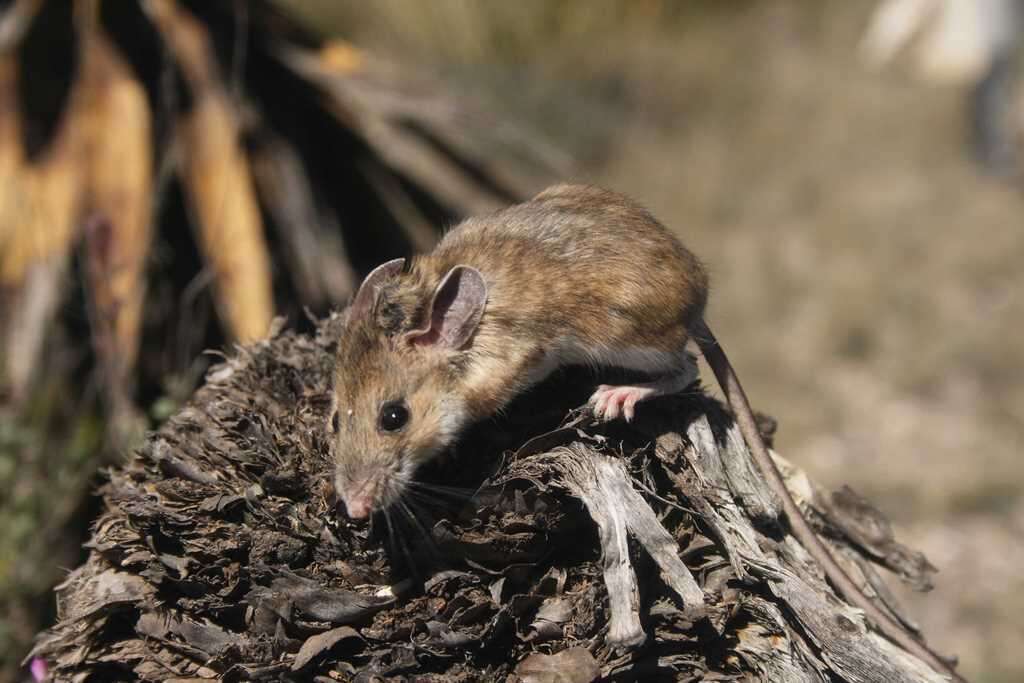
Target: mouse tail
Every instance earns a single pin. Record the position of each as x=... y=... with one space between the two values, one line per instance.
x=744 y=416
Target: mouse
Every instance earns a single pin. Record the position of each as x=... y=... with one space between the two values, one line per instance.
x=576 y=275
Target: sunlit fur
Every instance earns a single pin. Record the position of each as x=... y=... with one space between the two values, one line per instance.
x=562 y=287
x=376 y=366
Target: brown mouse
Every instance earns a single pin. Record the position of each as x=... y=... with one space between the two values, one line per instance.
x=576 y=275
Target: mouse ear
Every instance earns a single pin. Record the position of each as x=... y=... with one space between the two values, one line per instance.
x=363 y=302
x=454 y=310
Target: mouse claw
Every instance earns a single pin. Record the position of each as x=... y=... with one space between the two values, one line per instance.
x=608 y=402
x=599 y=402
x=629 y=407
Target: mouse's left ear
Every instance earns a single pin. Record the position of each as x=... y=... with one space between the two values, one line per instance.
x=366 y=297
x=454 y=311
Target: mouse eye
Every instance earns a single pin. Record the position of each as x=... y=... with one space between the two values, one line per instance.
x=393 y=416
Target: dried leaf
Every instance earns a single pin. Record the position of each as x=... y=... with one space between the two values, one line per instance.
x=321 y=643
x=574 y=665
x=547 y=624
x=333 y=605
x=106 y=591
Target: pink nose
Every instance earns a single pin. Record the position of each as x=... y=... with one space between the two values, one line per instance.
x=358 y=507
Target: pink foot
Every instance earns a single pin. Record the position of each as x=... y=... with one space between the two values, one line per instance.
x=609 y=401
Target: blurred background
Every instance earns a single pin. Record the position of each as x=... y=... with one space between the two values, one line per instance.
x=175 y=174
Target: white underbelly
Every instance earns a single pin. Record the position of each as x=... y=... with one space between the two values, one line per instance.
x=568 y=351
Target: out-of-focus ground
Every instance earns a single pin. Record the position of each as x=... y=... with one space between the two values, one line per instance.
x=867 y=277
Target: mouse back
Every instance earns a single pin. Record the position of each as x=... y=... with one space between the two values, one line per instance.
x=577 y=265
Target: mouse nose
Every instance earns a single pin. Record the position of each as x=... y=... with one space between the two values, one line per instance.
x=360 y=495
x=358 y=507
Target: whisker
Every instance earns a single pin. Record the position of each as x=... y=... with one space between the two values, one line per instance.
x=443 y=488
x=391 y=531
x=397 y=535
x=424 y=501
x=437 y=501
x=429 y=492
x=432 y=484
x=428 y=539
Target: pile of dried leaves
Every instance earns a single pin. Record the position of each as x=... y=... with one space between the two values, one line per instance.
x=642 y=552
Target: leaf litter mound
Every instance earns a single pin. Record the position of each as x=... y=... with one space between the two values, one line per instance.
x=546 y=547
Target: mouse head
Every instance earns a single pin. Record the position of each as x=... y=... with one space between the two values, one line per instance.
x=396 y=399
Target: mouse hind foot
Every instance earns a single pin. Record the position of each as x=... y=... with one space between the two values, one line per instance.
x=610 y=401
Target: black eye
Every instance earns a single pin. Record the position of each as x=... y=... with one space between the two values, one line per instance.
x=393 y=416
x=334 y=422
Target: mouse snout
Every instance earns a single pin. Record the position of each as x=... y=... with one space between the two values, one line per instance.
x=359 y=507
x=360 y=497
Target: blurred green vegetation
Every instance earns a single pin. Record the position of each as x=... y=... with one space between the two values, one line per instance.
x=47 y=455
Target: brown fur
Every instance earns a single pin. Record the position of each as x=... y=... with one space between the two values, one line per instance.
x=562 y=266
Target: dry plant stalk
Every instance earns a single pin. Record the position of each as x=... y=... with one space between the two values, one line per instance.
x=216 y=176
x=119 y=193
x=46 y=193
x=40 y=199
x=316 y=258
x=11 y=155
